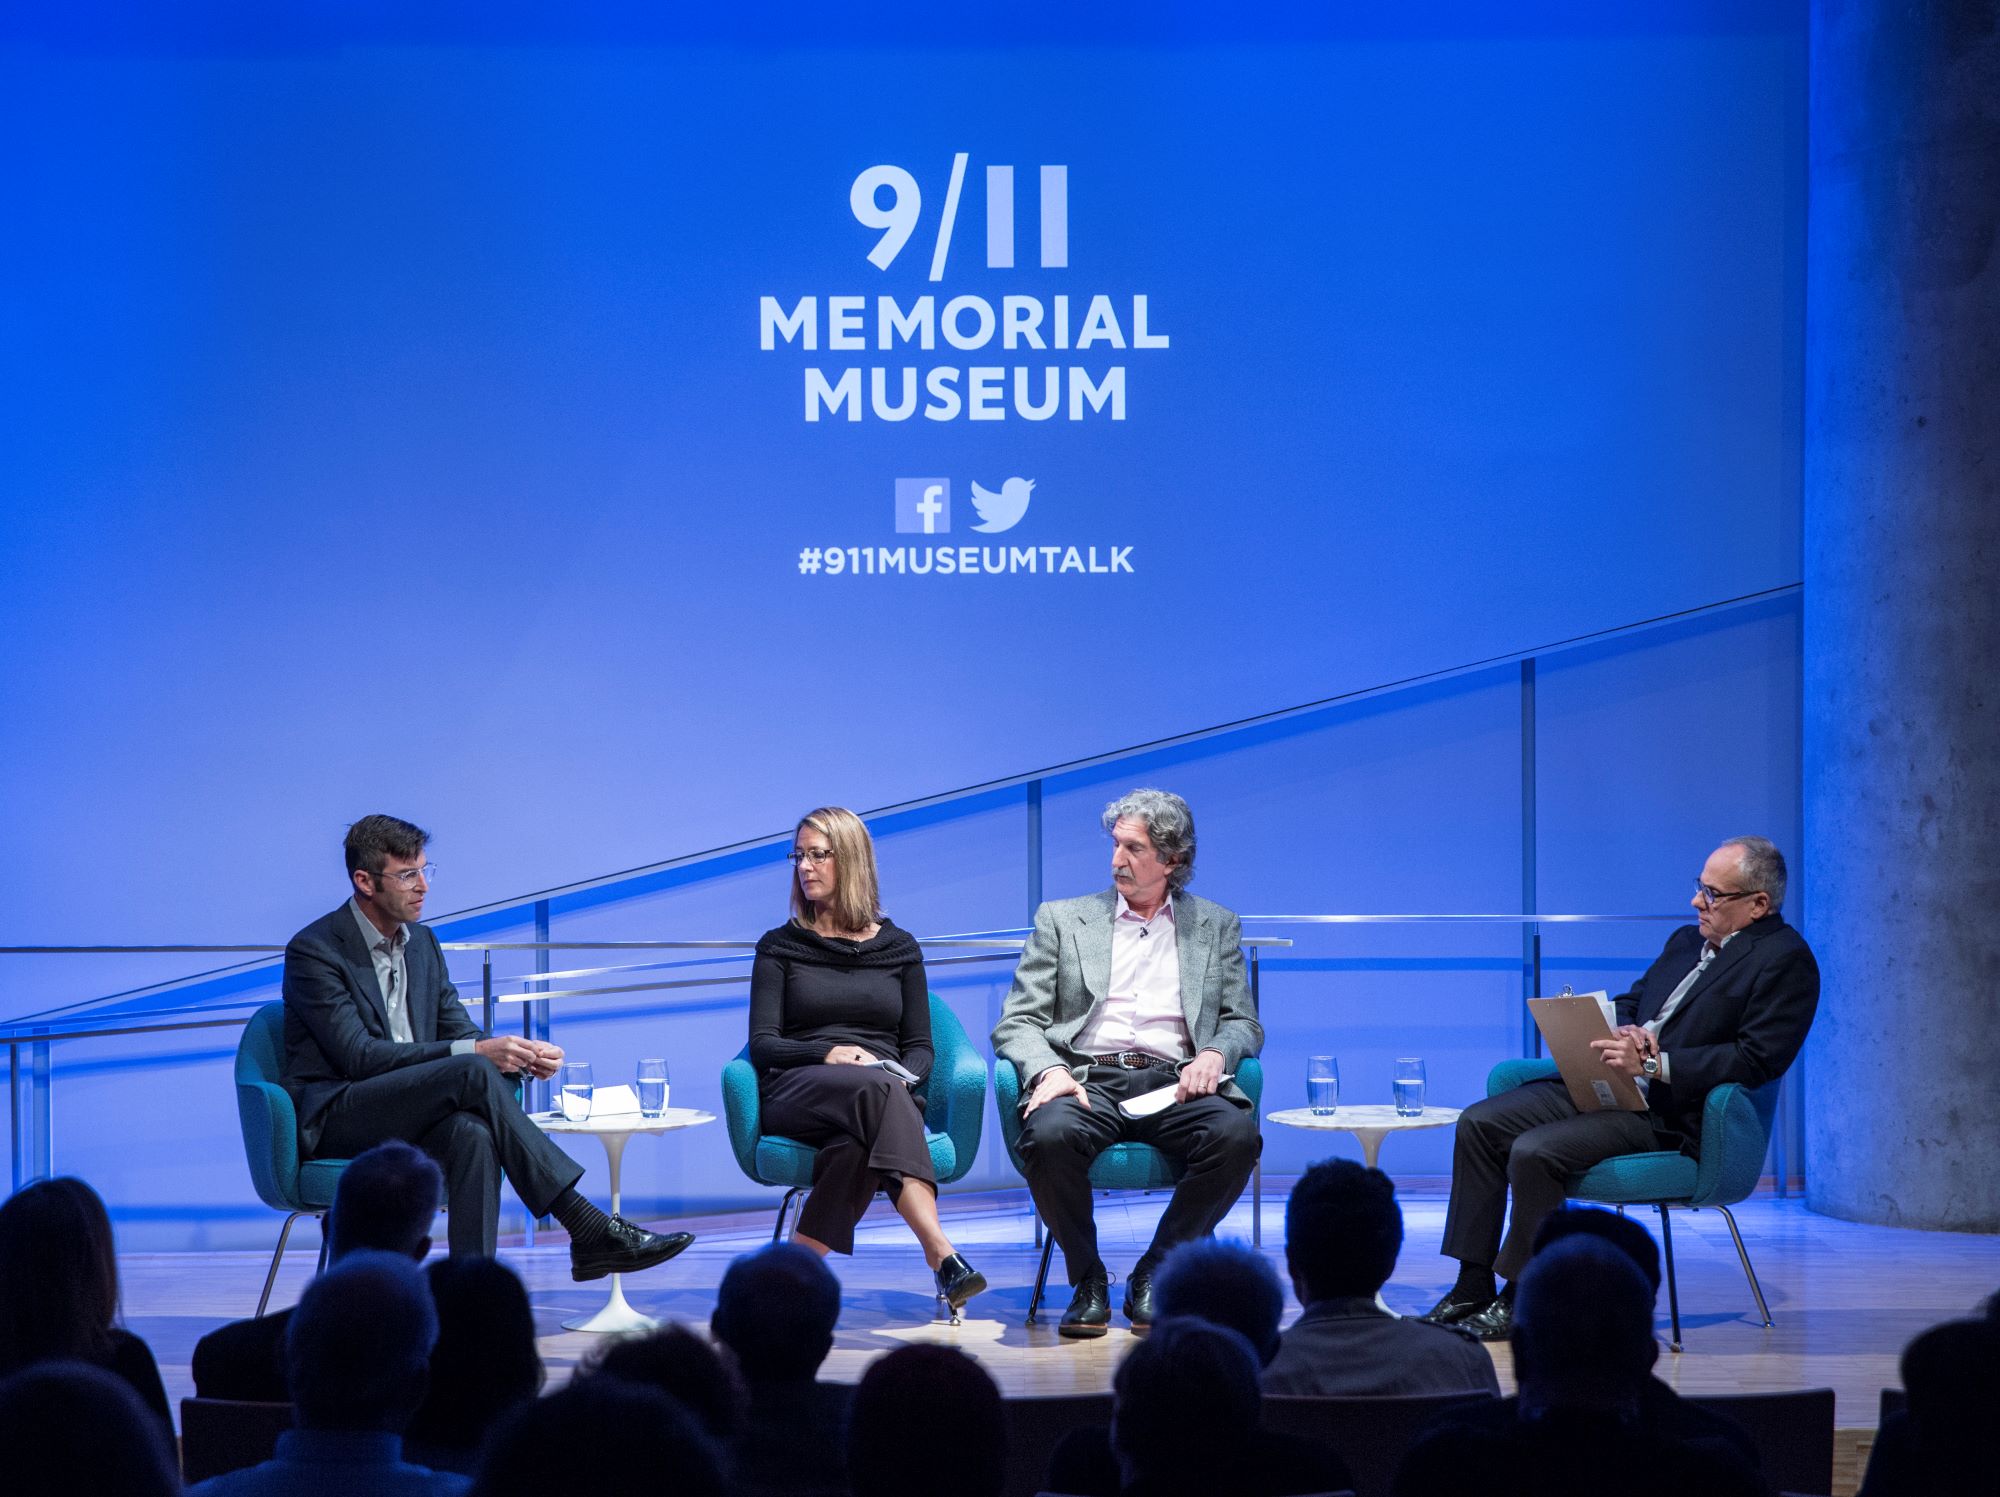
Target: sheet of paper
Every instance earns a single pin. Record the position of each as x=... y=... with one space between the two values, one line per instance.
x=1147 y=1103
x=900 y=1072
x=613 y=1101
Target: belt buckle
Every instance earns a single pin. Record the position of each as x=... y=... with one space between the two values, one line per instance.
x=1134 y=1060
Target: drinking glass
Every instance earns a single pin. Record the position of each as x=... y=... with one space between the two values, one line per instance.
x=1322 y=1084
x=1409 y=1086
x=576 y=1091
x=652 y=1087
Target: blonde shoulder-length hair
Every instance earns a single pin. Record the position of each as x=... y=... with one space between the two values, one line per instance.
x=857 y=900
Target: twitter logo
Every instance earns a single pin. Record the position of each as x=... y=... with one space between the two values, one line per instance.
x=1001 y=511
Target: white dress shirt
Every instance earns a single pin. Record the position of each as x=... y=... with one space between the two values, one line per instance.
x=392 y=976
x=1142 y=1007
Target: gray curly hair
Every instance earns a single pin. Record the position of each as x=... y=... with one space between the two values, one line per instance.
x=1169 y=823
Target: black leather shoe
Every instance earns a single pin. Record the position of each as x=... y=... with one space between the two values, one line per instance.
x=1089 y=1312
x=958 y=1281
x=1139 y=1301
x=1494 y=1323
x=624 y=1248
x=1452 y=1309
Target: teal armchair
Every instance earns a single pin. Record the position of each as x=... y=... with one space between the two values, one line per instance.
x=271 y=1136
x=954 y=1114
x=1736 y=1124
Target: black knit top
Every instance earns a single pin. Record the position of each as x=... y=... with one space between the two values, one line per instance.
x=809 y=993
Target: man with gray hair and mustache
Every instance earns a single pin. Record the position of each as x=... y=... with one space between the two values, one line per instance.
x=1120 y=993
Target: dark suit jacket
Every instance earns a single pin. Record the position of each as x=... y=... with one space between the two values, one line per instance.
x=1744 y=1021
x=336 y=1028
x=245 y=1360
x=1066 y=970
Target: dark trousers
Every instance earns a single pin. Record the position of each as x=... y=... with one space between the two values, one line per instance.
x=869 y=1134
x=463 y=1113
x=1534 y=1140
x=1213 y=1139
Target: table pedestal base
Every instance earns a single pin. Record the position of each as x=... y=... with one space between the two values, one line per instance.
x=616 y=1316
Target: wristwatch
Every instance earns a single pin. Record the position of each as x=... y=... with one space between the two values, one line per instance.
x=1650 y=1065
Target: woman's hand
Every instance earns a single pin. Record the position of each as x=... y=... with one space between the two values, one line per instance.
x=849 y=1055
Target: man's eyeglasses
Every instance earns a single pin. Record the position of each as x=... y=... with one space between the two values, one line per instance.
x=1710 y=898
x=812 y=855
x=408 y=877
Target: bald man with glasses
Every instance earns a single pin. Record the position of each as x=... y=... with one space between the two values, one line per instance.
x=1730 y=999
x=377 y=1046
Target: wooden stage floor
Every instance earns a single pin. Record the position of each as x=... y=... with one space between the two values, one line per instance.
x=1845 y=1298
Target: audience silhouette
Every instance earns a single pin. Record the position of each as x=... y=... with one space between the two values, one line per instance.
x=386 y=1201
x=357 y=1352
x=926 y=1419
x=485 y=1362
x=686 y=1367
x=59 y=1289
x=70 y=1429
x=775 y=1310
x=601 y=1435
x=1937 y=1445
x=1343 y=1234
x=1583 y=1356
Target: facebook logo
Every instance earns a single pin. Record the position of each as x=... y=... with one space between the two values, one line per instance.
x=923 y=506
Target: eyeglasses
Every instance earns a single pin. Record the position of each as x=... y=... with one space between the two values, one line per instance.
x=812 y=855
x=1710 y=898
x=408 y=877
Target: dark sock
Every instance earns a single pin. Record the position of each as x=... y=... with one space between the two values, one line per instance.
x=583 y=1221
x=1507 y=1291
x=1475 y=1281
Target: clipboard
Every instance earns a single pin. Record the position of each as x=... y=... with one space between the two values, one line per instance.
x=1568 y=1025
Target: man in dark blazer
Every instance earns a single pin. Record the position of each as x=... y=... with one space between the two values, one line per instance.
x=377 y=1046
x=1119 y=994
x=1730 y=999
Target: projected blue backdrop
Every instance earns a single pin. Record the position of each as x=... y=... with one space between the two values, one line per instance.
x=604 y=451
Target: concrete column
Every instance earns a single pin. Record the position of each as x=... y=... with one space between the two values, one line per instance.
x=1902 y=611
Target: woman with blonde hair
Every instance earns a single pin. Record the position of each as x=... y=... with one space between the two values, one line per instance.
x=837 y=991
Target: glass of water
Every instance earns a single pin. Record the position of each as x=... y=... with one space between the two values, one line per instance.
x=576 y=1091
x=652 y=1087
x=1322 y=1084
x=1409 y=1086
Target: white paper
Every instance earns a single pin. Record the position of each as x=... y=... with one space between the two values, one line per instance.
x=901 y=1073
x=1147 y=1103
x=613 y=1101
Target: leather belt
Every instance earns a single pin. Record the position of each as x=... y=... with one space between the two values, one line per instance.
x=1133 y=1060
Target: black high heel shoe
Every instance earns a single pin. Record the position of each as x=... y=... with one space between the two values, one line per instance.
x=957 y=1282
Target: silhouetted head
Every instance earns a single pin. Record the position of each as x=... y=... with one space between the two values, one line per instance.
x=775 y=1310
x=386 y=1200
x=601 y=1435
x=684 y=1366
x=1631 y=1239
x=1225 y=1284
x=1952 y=1375
x=926 y=1419
x=485 y=1360
x=69 y=1429
x=1186 y=1381
x=357 y=1350
x=58 y=1274
x=1583 y=1328
x=1343 y=1231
